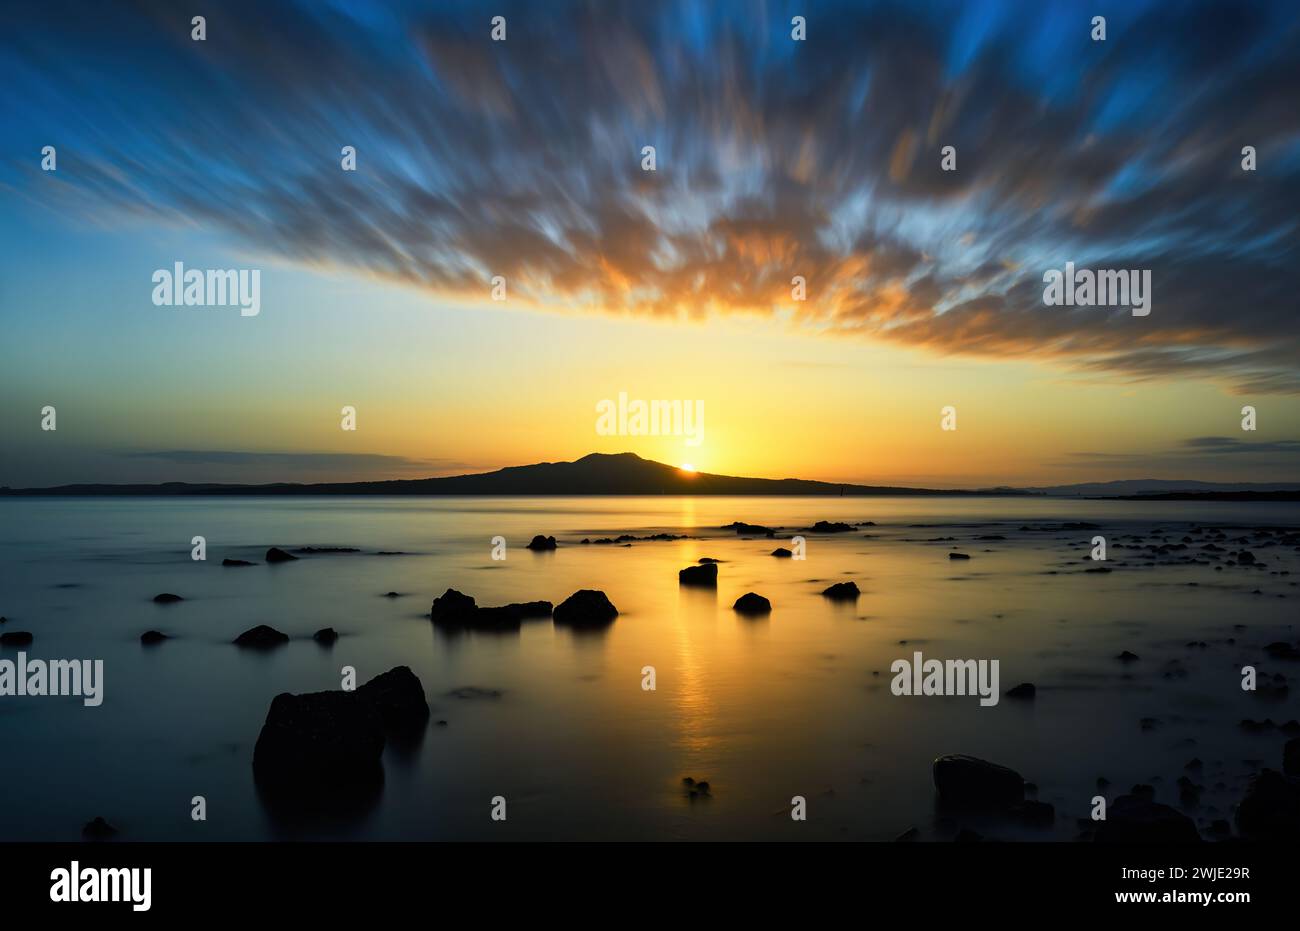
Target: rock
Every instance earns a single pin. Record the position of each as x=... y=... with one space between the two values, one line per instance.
x=1270 y=809
x=1033 y=814
x=969 y=782
x=456 y=610
x=398 y=697
x=325 y=636
x=585 y=608
x=392 y=595
x=261 y=637
x=706 y=559
x=1291 y=757
x=15 y=638
x=958 y=556
x=1246 y=558
x=99 y=829
x=1098 y=570
x=512 y=614
x=842 y=591
x=751 y=603
x=706 y=575
x=1023 y=690
x=1131 y=819
x=236 y=563
x=166 y=598
x=1127 y=657
x=150 y=637
x=752 y=529
x=452 y=607
x=4 y=620
x=823 y=526
x=540 y=542
x=319 y=738
x=782 y=553
x=275 y=554
x=1282 y=650
x=327 y=549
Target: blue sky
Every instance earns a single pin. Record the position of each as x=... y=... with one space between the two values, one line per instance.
x=522 y=159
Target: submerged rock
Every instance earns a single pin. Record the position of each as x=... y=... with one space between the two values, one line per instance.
x=751 y=529
x=275 y=554
x=842 y=591
x=1134 y=819
x=150 y=637
x=782 y=553
x=99 y=829
x=1291 y=757
x=457 y=610
x=958 y=556
x=825 y=526
x=970 y=782
x=706 y=574
x=15 y=638
x=237 y=563
x=166 y=598
x=540 y=542
x=1023 y=690
x=325 y=636
x=751 y=603
x=1270 y=809
x=1127 y=657
x=585 y=608
x=261 y=637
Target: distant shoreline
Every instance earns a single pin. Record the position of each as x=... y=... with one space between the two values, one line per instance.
x=628 y=475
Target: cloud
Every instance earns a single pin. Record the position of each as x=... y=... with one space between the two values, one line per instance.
x=775 y=159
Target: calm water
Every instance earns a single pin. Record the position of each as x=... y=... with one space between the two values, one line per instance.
x=795 y=704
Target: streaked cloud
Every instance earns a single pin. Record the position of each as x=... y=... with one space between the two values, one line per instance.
x=776 y=159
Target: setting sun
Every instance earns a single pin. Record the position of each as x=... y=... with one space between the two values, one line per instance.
x=687 y=467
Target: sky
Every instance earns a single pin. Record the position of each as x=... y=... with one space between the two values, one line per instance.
x=523 y=160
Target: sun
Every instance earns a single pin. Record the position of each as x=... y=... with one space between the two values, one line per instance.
x=687 y=467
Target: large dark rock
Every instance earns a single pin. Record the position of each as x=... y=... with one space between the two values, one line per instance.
x=150 y=637
x=1270 y=809
x=325 y=636
x=969 y=782
x=540 y=542
x=751 y=603
x=1023 y=691
x=166 y=598
x=1136 y=819
x=15 y=638
x=261 y=637
x=319 y=739
x=398 y=697
x=585 y=608
x=275 y=554
x=842 y=591
x=782 y=553
x=958 y=556
x=706 y=575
